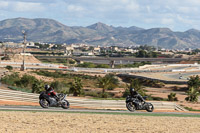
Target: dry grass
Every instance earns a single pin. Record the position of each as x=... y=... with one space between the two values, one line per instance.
x=37 y=122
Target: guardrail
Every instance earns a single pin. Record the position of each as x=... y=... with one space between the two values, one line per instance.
x=11 y=95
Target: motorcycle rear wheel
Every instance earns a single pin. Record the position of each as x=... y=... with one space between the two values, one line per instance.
x=65 y=104
x=44 y=103
x=149 y=107
x=130 y=106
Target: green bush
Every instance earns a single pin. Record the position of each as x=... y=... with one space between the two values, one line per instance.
x=87 y=65
x=102 y=66
x=38 y=86
x=26 y=81
x=11 y=79
x=59 y=74
x=192 y=95
x=9 y=68
x=172 y=97
x=56 y=85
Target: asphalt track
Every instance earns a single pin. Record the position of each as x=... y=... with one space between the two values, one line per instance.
x=185 y=75
x=70 y=110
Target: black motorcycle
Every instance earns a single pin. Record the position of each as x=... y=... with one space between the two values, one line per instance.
x=133 y=104
x=46 y=101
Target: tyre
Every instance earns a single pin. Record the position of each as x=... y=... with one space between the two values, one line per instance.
x=149 y=107
x=44 y=103
x=65 y=104
x=130 y=106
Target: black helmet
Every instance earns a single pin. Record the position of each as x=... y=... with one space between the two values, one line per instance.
x=132 y=89
x=46 y=87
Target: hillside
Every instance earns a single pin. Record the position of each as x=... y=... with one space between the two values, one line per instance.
x=48 y=30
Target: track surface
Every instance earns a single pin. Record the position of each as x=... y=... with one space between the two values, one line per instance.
x=52 y=109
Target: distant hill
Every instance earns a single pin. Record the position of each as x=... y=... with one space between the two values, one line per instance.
x=48 y=30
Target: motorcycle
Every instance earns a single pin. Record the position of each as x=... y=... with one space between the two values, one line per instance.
x=133 y=104
x=46 y=101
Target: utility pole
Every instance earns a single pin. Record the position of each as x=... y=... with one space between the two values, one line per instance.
x=24 y=42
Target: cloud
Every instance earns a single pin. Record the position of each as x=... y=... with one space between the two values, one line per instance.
x=180 y=14
x=74 y=8
x=3 y=4
x=18 y=6
x=24 y=7
x=167 y=21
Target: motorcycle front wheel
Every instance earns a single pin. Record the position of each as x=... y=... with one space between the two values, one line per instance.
x=130 y=106
x=149 y=107
x=44 y=103
x=65 y=104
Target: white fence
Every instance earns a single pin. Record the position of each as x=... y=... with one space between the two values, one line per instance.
x=11 y=95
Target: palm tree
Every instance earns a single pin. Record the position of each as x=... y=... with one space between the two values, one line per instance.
x=104 y=83
x=135 y=83
x=76 y=86
x=194 y=81
x=192 y=95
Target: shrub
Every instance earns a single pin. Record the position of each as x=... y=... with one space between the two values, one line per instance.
x=26 y=81
x=11 y=79
x=192 y=95
x=76 y=87
x=58 y=86
x=38 y=86
x=102 y=66
x=87 y=65
x=172 y=97
x=9 y=68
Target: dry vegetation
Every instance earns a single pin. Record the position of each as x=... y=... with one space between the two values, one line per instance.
x=27 y=122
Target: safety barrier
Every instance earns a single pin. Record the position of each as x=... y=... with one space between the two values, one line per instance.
x=11 y=95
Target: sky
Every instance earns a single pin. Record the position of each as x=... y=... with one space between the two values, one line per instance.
x=178 y=15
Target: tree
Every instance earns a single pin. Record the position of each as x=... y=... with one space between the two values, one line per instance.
x=113 y=81
x=104 y=83
x=192 y=95
x=109 y=81
x=136 y=85
x=76 y=86
x=194 y=81
x=141 y=53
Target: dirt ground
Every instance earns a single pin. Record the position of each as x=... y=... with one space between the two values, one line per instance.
x=37 y=122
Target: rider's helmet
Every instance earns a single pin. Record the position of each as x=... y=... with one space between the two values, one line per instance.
x=132 y=89
x=46 y=87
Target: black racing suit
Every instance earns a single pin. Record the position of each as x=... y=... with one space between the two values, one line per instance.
x=134 y=94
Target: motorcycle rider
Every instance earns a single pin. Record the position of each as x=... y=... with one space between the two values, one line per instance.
x=50 y=91
x=135 y=94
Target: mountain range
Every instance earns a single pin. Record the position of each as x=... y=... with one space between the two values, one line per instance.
x=52 y=31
